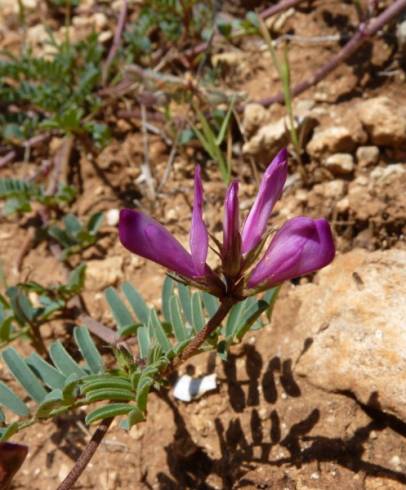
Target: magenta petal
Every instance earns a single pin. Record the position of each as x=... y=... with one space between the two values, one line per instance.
x=144 y=236
x=301 y=246
x=199 y=237
x=270 y=190
x=231 y=224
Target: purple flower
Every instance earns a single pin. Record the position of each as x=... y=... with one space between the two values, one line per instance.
x=301 y=246
x=144 y=236
x=270 y=190
x=199 y=237
x=231 y=250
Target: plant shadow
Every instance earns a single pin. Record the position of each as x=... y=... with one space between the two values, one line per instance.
x=243 y=446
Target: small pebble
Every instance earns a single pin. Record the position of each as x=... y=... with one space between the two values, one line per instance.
x=112 y=217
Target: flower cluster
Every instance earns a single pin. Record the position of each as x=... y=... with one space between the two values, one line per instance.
x=301 y=246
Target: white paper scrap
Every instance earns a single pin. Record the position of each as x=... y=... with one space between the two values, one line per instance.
x=187 y=388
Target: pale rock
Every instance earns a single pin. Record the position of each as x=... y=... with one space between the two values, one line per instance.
x=171 y=215
x=277 y=22
x=301 y=195
x=112 y=216
x=383 y=174
x=343 y=205
x=401 y=36
x=104 y=36
x=97 y=21
x=255 y=116
x=379 y=483
x=334 y=189
x=384 y=120
x=380 y=192
x=63 y=471
x=103 y=273
x=356 y=317
x=367 y=155
x=37 y=36
x=337 y=139
x=231 y=62
x=340 y=163
x=269 y=140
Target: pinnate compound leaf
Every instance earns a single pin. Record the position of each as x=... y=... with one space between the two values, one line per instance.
x=137 y=303
x=167 y=293
x=48 y=374
x=24 y=375
x=10 y=400
x=113 y=394
x=186 y=302
x=197 y=312
x=119 y=310
x=177 y=321
x=143 y=341
x=159 y=332
x=88 y=349
x=64 y=361
x=108 y=411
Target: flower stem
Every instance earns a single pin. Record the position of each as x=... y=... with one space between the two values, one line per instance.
x=86 y=455
x=225 y=306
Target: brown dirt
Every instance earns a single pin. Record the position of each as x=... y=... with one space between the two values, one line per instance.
x=264 y=428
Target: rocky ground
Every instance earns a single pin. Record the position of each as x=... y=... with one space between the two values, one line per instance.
x=316 y=400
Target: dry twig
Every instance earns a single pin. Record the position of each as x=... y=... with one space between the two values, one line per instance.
x=364 y=32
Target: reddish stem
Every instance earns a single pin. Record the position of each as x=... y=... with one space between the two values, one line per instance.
x=86 y=455
x=364 y=32
x=116 y=41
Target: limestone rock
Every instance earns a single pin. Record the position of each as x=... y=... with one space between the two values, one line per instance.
x=103 y=273
x=340 y=163
x=356 y=317
x=255 y=116
x=336 y=139
x=384 y=120
x=231 y=62
x=381 y=192
x=367 y=155
x=268 y=140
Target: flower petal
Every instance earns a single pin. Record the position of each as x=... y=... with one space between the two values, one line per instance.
x=270 y=191
x=199 y=237
x=301 y=246
x=231 y=224
x=144 y=236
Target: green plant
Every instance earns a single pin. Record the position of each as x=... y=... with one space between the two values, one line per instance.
x=283 y=69
x=63 y=384
x=59 y=93
x=74 y=236
x=212 y=142
x=169 y=21
x=19 y=316
x=20 y=195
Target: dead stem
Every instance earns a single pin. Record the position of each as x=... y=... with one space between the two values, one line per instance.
x=364 y=32
x=116 y=42
x=145 y=166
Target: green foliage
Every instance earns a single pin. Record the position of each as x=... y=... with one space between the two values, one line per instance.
x=172 y=20
x=63 y=384
x=74 y=236
x=212 y=142
x=58 y=93
x=20 y=194
x=19 y=316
